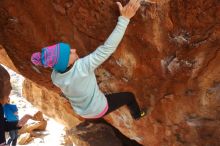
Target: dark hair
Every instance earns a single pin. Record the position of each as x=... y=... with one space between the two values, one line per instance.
x=3 y=76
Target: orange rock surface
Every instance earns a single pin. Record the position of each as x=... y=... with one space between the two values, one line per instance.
x=169 y=58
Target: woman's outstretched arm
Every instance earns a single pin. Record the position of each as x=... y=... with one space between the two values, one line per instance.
x=103 y=52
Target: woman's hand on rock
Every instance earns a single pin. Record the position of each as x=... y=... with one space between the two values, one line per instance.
x=130 y=9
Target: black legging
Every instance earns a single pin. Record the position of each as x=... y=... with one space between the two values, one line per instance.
x=116 y=100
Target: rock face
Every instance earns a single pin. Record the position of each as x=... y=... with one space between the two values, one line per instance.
x=26 y=132
x=169 y=58
x=98 y=133
x=51 y=103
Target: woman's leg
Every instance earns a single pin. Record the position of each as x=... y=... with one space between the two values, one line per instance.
x=116 y=100
x=14 y=141
x=11 y=137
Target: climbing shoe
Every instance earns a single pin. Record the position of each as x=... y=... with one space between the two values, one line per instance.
x=142 y=114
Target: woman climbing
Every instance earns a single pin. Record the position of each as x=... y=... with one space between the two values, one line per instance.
x=76 y=78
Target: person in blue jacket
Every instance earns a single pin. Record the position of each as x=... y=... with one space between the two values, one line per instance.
x=8 y=113
x=5 y=89
x=76 y=78
x=11 y=115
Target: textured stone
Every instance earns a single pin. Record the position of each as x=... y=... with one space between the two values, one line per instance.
x=24 y=139
x=169 y=58
x=52 y=104
x=98 y=133
x=39 y=123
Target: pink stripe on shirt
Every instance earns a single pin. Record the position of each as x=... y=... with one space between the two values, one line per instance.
x=101 y=114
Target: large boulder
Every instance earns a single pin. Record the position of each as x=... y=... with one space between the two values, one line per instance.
x=169 y=58
x=98 y=133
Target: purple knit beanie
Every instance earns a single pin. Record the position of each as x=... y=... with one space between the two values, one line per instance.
x=55 y=56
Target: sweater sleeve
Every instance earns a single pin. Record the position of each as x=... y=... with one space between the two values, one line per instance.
x=103 y=52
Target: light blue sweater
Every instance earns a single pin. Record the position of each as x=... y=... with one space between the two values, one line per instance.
x=79 y=84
